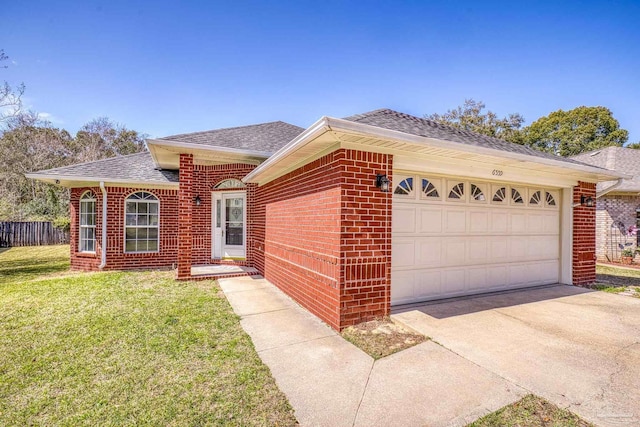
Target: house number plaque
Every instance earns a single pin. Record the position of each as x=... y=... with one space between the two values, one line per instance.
x=497 y=172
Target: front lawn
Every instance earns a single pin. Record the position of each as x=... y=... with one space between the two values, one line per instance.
x=617 y=280
x=124 y=348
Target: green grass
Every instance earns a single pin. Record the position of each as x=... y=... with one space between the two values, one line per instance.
x=616 y=280
x=531 y=411
x=135 y=348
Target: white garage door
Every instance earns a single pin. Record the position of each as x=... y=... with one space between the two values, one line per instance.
x=453 y=237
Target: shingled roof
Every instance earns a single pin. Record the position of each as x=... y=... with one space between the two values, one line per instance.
x=394 y=120
x=137 y=167
x=619 y=159
x=264 y=137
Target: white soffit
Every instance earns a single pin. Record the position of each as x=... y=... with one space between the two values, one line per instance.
x=412 y=152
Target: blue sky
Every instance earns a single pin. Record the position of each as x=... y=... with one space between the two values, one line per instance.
x=167 y=67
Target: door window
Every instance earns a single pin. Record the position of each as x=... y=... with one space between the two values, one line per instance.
x=234 y=218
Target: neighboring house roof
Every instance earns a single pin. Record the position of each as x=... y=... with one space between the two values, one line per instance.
x=394 y=120
x=264 y=137
x=133 y=168
x=619 y=159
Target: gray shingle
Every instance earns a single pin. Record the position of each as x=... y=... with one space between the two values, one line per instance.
x=134 y=167
x=394 y=120
x=265 y=137
x=619 y=159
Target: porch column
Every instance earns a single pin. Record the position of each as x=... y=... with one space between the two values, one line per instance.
x=185 y=207
x=584 y=236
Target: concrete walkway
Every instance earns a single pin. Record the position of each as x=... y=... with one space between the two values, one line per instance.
x=330 y=382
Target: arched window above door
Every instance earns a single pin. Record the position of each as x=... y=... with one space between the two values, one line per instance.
x=229 y=183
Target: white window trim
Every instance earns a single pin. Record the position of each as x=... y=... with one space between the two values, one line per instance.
x=156 y=200
x=95 y=217
x=451 y=183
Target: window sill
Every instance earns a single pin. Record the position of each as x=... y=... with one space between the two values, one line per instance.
x=87 y=254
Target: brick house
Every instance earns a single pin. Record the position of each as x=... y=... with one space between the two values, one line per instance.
x=348 y=216
x=617 y=202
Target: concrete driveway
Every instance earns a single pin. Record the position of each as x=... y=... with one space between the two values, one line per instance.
x=579 y=349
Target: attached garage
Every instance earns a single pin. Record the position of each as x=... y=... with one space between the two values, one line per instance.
x=426 y=212
x=453 y=237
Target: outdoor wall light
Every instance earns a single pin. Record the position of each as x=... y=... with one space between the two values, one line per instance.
x=382 y=182
x=198 y=200
x=586 y=201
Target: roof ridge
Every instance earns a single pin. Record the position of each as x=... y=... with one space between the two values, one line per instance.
x=228 y=128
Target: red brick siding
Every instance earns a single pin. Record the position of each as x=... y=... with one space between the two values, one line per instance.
x=584 y=236
x=297 y=236
x=116 y=258
x=365 y=241
x=205 y=178
x=323 y=235
x=185 y=210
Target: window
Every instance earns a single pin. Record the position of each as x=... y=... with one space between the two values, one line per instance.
x=536 y=198
x=500 y=195
x=516 y=197
x=405 y=187
x=230 y=183
x=87 y=241
x=457 y=192
x=141 y=222
x=477 y=194
x=551 y=201
x=429 y=189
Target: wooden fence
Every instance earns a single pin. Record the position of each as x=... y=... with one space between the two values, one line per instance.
x=34 y=233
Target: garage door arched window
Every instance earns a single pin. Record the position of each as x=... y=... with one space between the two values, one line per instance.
x=477 y=194
x=141 y=223
x=551 y=201
x=516 y=197
x=457 y=192
x=405 y=187
x=536 y=198
x=500 y=195
x=87 y=240
x=429 y=189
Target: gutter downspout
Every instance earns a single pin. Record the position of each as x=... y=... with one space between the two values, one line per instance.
x=103 y=252
x=609 y=189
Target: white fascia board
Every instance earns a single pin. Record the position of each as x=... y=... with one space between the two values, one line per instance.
x=92 y=179
x=369 y=130
x=312 y=132
x=206 y=148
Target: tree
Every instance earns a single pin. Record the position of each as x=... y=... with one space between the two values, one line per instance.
x=10 y=98
x=567 y=133
x=470 y=117
x=635 y=145
x=29 y=144
x=101 y=138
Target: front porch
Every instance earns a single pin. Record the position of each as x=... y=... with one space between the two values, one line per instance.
x=201 y=272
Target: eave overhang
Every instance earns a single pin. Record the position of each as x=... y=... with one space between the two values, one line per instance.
x=412 y=152
x=166 y=154
x=93 y=181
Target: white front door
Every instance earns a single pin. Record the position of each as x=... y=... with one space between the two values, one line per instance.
x=229 y=219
